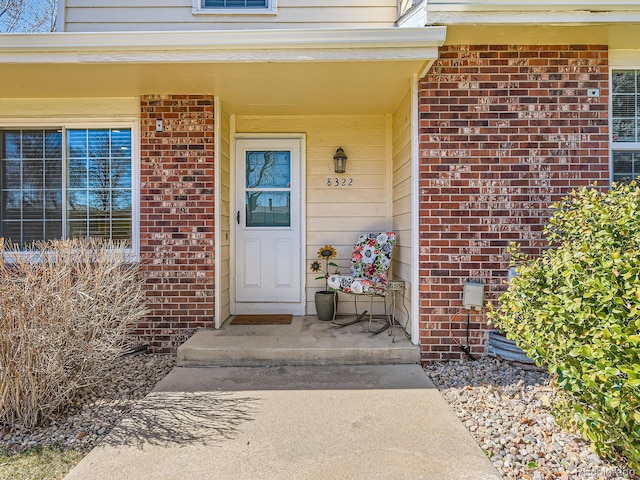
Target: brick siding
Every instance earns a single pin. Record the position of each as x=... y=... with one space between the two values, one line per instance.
x=176 y=218
x=505 y=131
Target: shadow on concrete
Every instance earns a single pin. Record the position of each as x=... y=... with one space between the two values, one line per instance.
x=184 y=419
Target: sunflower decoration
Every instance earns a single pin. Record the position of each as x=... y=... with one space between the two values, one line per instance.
x=325 y=253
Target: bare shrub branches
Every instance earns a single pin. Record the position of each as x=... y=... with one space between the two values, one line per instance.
x=65 y=307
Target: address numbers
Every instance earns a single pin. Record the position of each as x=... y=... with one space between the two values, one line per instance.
x=339 y=182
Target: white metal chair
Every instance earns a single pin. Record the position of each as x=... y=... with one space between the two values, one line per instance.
x=370 y=264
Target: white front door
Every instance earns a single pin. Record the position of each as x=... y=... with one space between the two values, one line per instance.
x=268 y=246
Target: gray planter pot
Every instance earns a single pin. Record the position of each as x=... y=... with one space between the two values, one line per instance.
x=326 y=302
x=501 y=347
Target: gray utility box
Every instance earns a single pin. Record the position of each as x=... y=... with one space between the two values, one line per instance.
x=473 y=295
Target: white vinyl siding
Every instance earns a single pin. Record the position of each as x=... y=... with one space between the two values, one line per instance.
x=164 y=15
x=402 y=202
x=225 y=213
x=625 y=125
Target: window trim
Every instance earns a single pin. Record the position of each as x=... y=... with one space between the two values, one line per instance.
x=618 y=146
x=88 y=123
x=200 y=9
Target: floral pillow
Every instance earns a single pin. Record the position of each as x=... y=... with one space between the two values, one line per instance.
x=370 y=262
x=371 y=256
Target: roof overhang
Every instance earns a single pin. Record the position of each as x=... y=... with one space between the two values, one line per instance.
x=487 y=12
x=615 y=36
x=615 y=23
x=253 y=72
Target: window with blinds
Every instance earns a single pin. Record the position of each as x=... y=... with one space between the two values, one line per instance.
x=62 y=183
x=625 y=125
x=236 y=3
x=234 y=7
x=31 y=170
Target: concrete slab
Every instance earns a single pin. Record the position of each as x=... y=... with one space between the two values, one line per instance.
x=306 y=341
x=338 y=422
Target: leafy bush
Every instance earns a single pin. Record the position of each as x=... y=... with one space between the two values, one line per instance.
x=65 y=307
x=576 y=309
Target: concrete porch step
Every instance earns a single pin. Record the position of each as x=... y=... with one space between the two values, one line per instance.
x=306 y=341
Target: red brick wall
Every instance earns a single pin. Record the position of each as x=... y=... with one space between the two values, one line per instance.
x=504 y=132
x=176 y=217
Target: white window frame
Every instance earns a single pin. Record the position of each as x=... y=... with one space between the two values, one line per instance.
x=133 y=253
x=613 y=145
x=200 y=9
x=404 y=6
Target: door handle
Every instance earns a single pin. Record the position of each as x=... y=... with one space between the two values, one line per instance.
x=238 y=217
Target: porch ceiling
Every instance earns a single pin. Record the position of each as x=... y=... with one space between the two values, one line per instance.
x=270 y=73
x=261 y=88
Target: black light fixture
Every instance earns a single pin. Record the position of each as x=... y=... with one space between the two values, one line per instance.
x=340 y=161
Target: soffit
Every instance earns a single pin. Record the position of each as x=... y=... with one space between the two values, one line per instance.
x=246 y=89
x=616 y=36
x=266 y=73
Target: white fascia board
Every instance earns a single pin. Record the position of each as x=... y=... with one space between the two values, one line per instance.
x=529 y=5
x=224 y=56
x=531 y=18
x=242 y=45
x=455 y=12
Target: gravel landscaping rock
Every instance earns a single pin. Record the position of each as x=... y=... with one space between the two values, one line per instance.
x=95 y=411
x=507 y=408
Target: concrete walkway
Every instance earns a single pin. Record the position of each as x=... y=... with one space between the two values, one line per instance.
x=292 y=422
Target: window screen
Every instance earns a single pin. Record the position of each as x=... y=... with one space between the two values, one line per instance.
x=58 y=183
x=625 y=123
x=235 y=3
x=31 y=169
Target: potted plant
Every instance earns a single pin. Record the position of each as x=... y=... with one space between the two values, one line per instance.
x=326 y=300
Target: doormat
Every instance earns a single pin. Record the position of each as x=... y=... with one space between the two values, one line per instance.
x=281 y=319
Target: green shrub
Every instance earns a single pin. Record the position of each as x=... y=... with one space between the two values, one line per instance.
x=65 y=307
x=576 y=309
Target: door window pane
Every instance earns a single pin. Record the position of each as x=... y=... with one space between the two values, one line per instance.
x=268 y=209
x=268 y=188
x=268 y=169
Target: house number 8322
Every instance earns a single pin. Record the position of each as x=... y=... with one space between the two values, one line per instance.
x=339 y=182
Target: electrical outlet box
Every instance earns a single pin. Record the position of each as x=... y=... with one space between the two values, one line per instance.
x=593 y=92
x=473 y=295
x=396 y=285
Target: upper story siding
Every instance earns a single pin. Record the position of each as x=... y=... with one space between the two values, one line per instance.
x=163 y=15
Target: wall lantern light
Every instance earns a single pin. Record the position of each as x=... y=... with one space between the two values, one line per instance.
x=340 y=161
